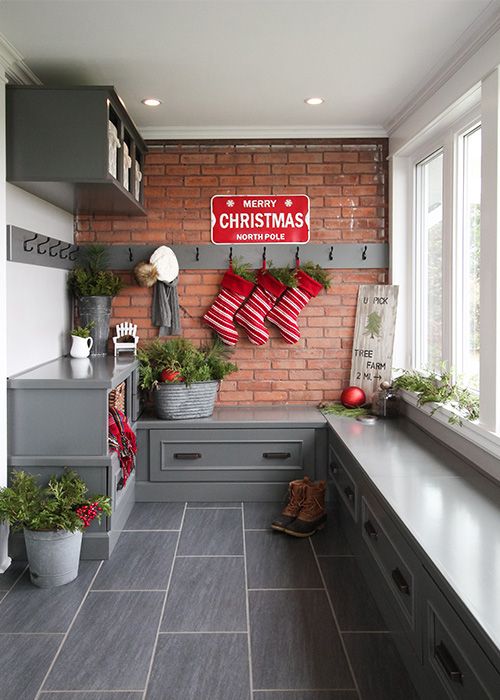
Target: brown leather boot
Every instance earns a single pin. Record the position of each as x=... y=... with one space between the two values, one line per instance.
x=312 y=515
x=296 y=495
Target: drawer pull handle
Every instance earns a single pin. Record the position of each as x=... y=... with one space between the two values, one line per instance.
x=400 y=581
x=276 y=455
x=333 y=468
x=187 y=455
x=370 y=530
x=447 y=661
x=349 y=493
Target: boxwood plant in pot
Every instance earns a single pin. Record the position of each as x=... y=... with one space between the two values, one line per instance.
x=94 y=286
x=52 y=518
x=184 y=378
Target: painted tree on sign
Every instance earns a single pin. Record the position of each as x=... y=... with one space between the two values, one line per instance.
x=373 y=324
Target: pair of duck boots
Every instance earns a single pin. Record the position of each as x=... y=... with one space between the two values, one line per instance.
x=305 y=511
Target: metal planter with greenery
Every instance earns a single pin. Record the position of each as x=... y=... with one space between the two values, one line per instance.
x=94 y=286
x=52 y=518
x=183 y=379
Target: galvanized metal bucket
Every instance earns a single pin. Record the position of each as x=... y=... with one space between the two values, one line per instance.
x=53 y=556
x=177 y=401
x=98 y=311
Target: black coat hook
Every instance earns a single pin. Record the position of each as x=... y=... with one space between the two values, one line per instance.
x=53 y=247
x=231 y=254
x=130 y=255
x=197 y=258
x=264 y=255
x=63 y=250
x=42 y=252
x=27 y=248
x=297 y=260
x=74 y=253
x=363 y=254
x=330 y=254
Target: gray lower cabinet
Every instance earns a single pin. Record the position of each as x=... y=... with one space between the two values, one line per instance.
x=57 y=419
x=434 y=634
x=238 y=459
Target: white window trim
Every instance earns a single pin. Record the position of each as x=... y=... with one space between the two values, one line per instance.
x=480 y=443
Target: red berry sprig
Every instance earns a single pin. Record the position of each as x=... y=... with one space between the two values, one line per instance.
x=88 y=512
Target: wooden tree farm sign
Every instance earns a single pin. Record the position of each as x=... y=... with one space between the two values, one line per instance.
x=374 y=336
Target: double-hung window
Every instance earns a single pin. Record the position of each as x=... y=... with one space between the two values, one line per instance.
x=446 y=250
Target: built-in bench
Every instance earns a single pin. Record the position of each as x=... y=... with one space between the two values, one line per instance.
x=426 y=527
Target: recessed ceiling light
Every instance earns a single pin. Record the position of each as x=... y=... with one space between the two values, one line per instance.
x=314 y=101
x=151 y=102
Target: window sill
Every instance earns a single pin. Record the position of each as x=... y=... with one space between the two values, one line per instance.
x=472 y=441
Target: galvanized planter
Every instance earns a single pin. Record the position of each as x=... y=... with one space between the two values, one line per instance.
x=98 y=310
x=53 y=556
x=177 y=401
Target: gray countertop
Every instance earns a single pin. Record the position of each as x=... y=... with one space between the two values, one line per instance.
x=452 y=511
x=245 y=416
x=70 y=373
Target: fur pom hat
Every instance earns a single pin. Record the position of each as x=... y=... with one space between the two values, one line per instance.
x=165 y=261
x=146 y=274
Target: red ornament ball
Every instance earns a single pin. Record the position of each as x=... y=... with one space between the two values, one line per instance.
x=353 y=397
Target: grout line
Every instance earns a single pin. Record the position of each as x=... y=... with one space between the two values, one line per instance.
x=8 y=590
x=204 y=632
x=213 y=508
x=258 y=529
x=366 y=632
x=247 y=603
x=32 y=634
x=128 y=590
x=155 y=645
x=305 y=690
x=91 y=692
x=286 y=589
x=67 y=632
x=330 y=603
x=151 y=530
x=336 y=556
x=210 y=556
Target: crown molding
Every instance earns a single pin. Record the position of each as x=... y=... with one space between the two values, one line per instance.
x=268 y=132
x=13 y=65
x=469 y=43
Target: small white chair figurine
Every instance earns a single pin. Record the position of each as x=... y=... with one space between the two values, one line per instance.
x=122 y=330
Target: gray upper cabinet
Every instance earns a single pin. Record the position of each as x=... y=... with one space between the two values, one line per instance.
x=72 y=147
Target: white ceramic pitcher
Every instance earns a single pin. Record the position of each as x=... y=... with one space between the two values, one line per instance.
x=80 y=347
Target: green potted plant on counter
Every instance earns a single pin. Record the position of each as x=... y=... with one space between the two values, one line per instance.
x=184 y=378
x=94 y=286
x=52 y=518
x=81 y=341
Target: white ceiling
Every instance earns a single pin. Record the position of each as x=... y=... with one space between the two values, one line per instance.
x=221 y=66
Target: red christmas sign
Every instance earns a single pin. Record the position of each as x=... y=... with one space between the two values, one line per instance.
x=260 y=219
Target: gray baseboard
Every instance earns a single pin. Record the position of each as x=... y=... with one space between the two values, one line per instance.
x=210 y=491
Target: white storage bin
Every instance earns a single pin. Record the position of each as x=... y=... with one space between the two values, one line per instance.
x=113 y=146
x=127 y=164
x=137 y=180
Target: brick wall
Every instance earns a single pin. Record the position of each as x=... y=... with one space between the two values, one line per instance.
x=346 y=181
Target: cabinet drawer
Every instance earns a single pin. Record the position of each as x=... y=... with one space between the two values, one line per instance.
x=396 y=562
x=459 y=665
x=231 y=455
x=345 y=483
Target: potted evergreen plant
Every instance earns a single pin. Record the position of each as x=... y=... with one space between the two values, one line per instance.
x=81 y=341
x=94 y=286
x=184 y=378
x=52 y=518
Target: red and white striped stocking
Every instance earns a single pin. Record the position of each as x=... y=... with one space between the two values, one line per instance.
x=253 y=312
x=285 y=313
x=220 y=316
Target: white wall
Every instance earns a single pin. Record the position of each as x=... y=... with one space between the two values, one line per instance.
x=38 y=306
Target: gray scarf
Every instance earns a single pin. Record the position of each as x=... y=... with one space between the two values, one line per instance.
x=165 y=310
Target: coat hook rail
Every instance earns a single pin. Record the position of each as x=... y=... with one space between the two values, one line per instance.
x=30 y=247
x=22 y=246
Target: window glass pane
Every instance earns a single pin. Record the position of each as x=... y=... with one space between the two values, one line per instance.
x=471 y=250
x=430 y=276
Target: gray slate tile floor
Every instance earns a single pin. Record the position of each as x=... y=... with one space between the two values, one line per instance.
x=215 y=609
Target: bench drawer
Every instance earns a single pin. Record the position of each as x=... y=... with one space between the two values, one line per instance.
x=345 y=484
x=235 y=455
x=459 y=665
x=397 y=563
